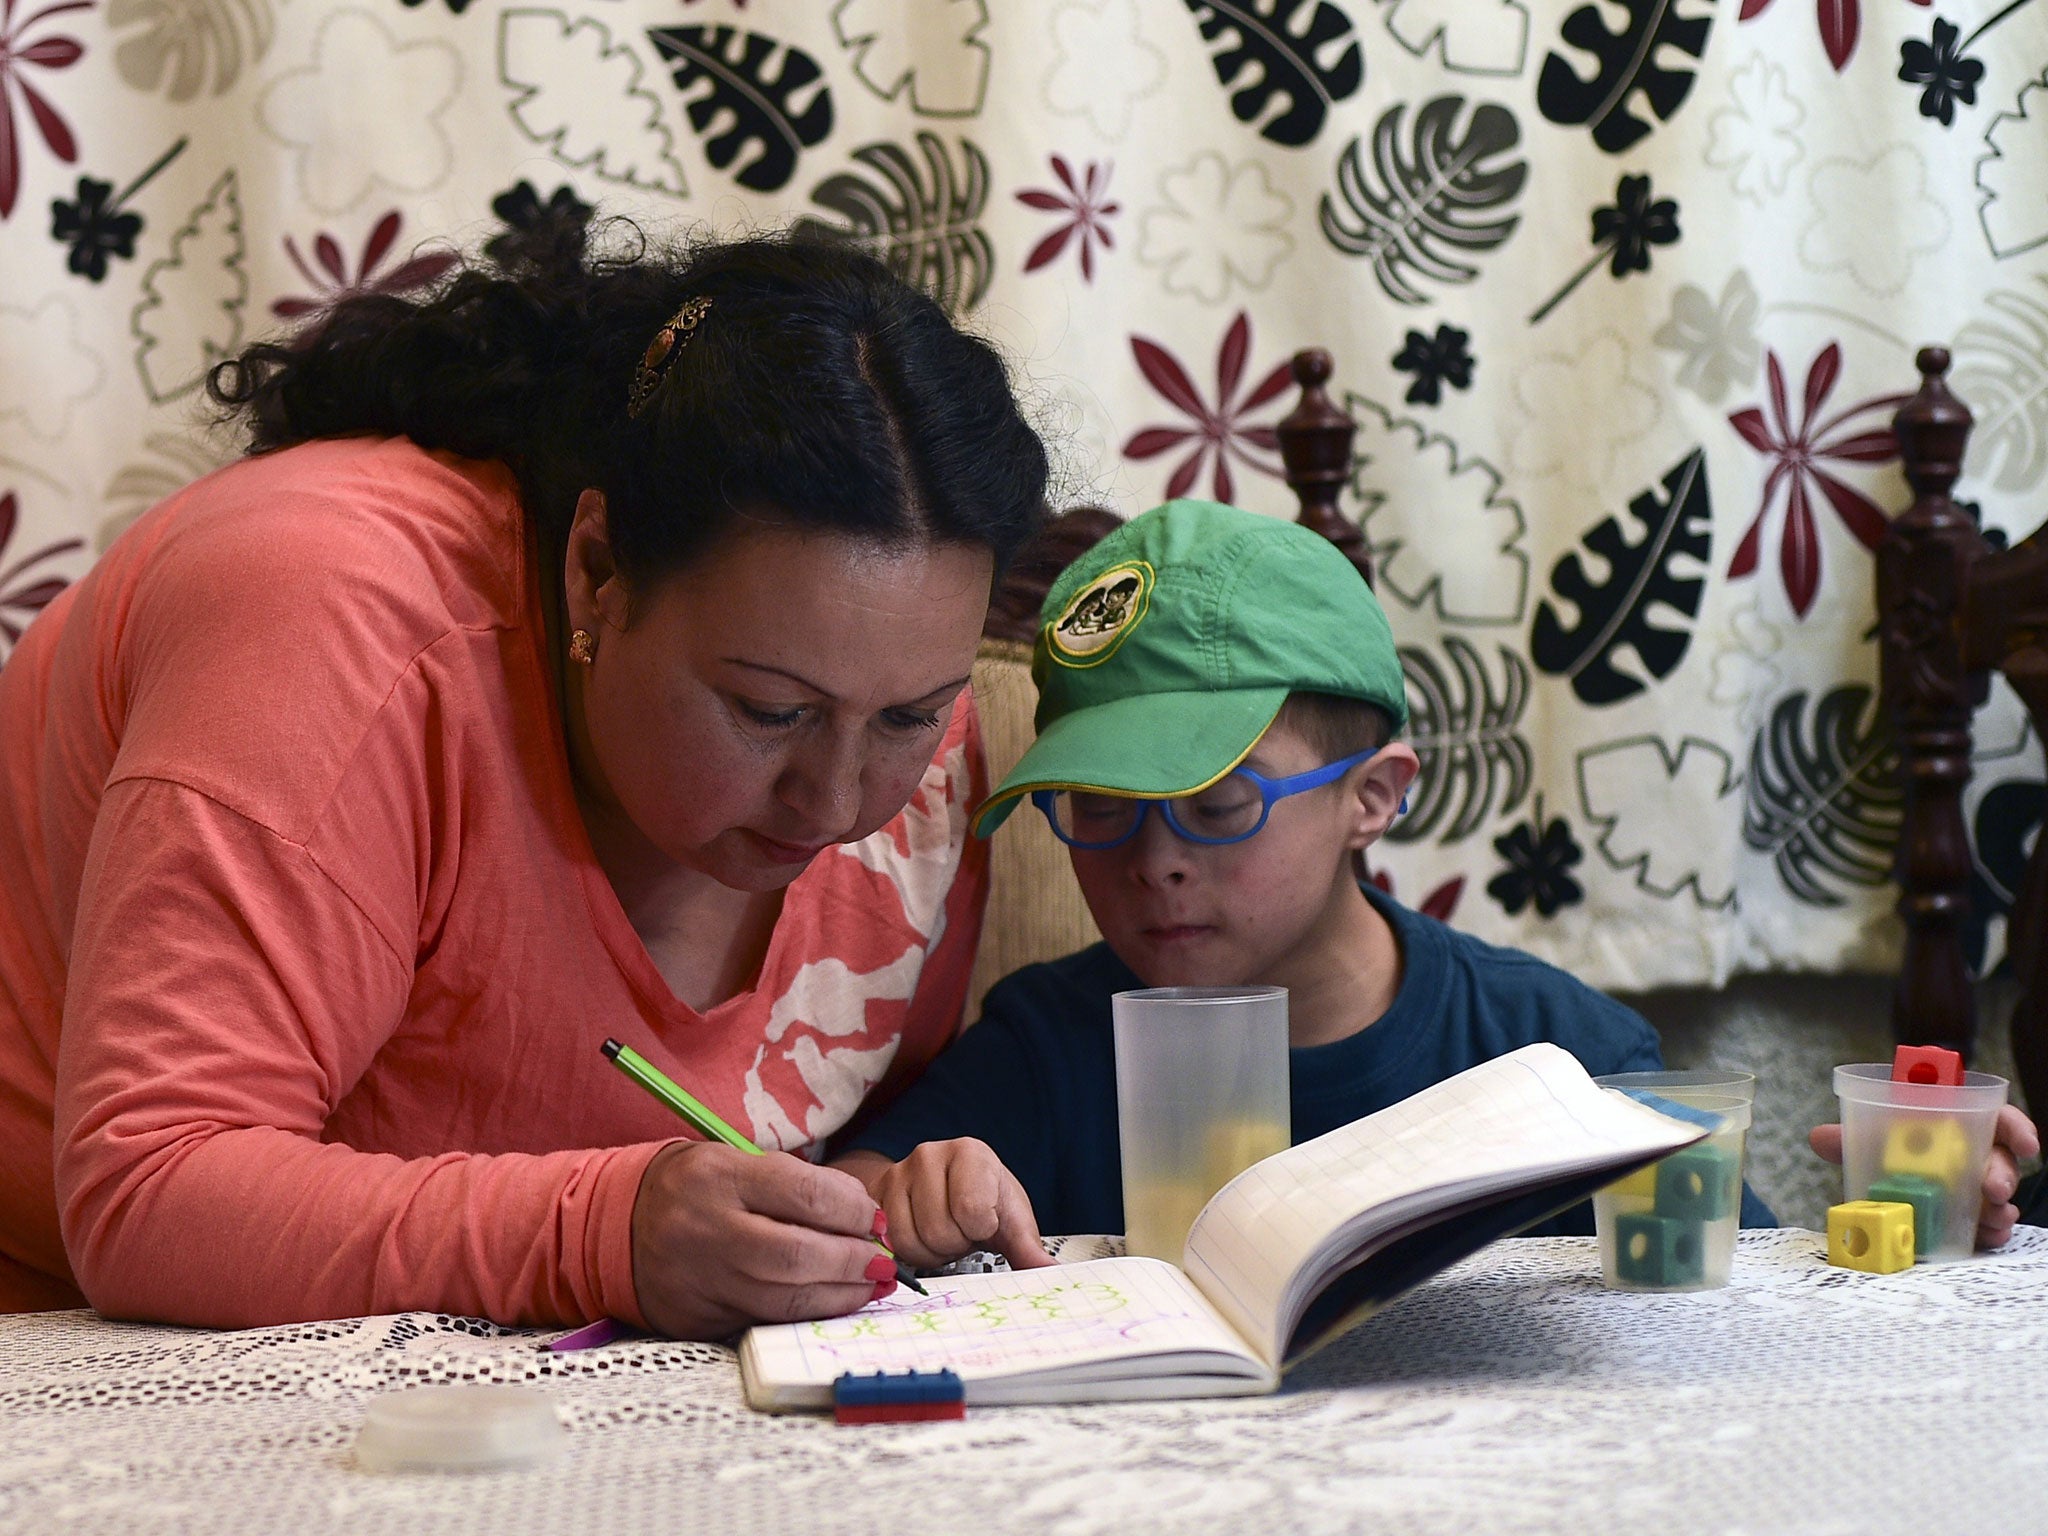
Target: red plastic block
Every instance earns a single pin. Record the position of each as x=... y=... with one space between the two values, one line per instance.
x=896 y=1413
x=1927 y=1064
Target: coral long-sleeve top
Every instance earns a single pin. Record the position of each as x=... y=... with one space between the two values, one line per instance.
x=304 y=954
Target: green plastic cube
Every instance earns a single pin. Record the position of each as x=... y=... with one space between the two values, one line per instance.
x=1658 y=1250
x=1924 y=1195
x=1698 y=1184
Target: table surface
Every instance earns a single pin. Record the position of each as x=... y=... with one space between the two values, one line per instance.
x=1511 y=1394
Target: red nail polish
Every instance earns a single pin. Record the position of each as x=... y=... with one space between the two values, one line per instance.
x=881 y=1227
x=881 y=1267
x=884 y=1289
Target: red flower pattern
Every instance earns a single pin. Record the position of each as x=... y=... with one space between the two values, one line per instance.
x=20 y=599
x=333 y=281
x=1087 y=215
x=1840 y=21
x=1439 y=903
x=17 y=53
x=1853 y=436
x=1221 y=430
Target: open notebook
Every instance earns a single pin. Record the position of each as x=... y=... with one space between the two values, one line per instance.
x=1286 y=1256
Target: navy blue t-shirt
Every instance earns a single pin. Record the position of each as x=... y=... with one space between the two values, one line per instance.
x=1036 y=1078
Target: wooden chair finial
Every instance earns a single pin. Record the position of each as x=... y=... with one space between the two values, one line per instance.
x=1315 y=445
x=1932 y=428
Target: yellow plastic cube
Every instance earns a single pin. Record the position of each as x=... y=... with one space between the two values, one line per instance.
x=1640 y=1184
x=1927 y=1145
x=1875 y=1236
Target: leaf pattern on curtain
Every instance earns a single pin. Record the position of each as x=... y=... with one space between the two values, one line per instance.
x=763 y=98
x=1635 y=61
x=921 y=215
x=1269 y=54
x=1424 y=204
x=1476 y=763
x=1621 y=296
x=1642 y=580
x=1823 y=798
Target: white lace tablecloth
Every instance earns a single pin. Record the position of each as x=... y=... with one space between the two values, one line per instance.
x=1511 y=1394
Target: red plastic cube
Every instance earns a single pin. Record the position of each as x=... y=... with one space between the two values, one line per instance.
x=1927 y=1064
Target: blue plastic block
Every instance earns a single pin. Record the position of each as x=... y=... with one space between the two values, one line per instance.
x=856 y=1390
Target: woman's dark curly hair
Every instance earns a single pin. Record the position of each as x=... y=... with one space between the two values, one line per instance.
x=820 y=389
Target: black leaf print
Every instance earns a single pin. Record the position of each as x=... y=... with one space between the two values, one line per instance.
x=1421 y=207
x=1942 y=67
x=537 y=232
x=96 y=224
x=1622 y=236
x=93 y=229
x=1468 y=736
x=1825 y=804
x=925 y=222
x=1640 y=588
x=1540 y=855
x=1625 y=63
x=779 y=115
x=2007 y=821
x=1310 y=68
x=1436 y=361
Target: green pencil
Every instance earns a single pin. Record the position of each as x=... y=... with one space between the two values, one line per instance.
x=700 y=1116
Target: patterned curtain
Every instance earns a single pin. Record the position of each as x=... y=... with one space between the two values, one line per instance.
x=1621 y=294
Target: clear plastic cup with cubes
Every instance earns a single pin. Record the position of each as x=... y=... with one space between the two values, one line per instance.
x=1913 y=1161
x=1671 y=1226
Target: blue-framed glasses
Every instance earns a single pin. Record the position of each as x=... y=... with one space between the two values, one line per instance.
x=1228 y=811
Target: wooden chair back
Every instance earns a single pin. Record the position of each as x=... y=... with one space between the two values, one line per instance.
x=1952 y=608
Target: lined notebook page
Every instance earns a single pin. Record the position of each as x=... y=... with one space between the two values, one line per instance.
x=1504 y=1123
x=1004 y=1324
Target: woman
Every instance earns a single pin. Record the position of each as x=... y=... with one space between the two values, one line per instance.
x=579 y=653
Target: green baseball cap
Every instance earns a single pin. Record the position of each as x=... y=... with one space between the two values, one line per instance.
x=1166 y=651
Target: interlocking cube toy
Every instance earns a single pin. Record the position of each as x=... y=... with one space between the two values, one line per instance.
x=880 y=1397
x=1697 y=1184
x=1658 y=1250
x=1875 y=1236
x=1927 y=1064
x=1927 y=1199
x=1929 y=1145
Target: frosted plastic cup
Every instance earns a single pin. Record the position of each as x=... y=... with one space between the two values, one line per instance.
x=1671 y=1226
x=1924 y=1145
x=1201 y=1095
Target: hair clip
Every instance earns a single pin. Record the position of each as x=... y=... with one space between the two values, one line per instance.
x=662 y=352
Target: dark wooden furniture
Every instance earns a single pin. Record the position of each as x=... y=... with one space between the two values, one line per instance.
x=1952 y=608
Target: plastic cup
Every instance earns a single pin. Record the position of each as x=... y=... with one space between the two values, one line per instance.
x=1201 y=1095
x=1923 y=1144
x=1671 y=1226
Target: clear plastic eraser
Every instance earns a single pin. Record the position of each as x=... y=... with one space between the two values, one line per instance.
x=458 y=1429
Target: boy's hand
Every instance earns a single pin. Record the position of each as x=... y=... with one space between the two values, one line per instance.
x=949 y=1198
x=722 y=1238
x=2014 y=1138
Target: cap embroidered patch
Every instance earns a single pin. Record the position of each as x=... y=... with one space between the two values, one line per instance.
x=1100 y=615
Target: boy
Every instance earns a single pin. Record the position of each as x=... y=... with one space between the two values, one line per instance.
x=1215 y=749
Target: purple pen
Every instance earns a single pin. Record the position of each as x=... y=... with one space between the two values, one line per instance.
x=606 y=1330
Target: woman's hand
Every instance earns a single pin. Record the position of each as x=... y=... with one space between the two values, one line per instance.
x=723 y=1238
x=2014 y=1138
x=949 y=1198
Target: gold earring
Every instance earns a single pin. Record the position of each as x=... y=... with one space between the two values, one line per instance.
x=582 y=647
